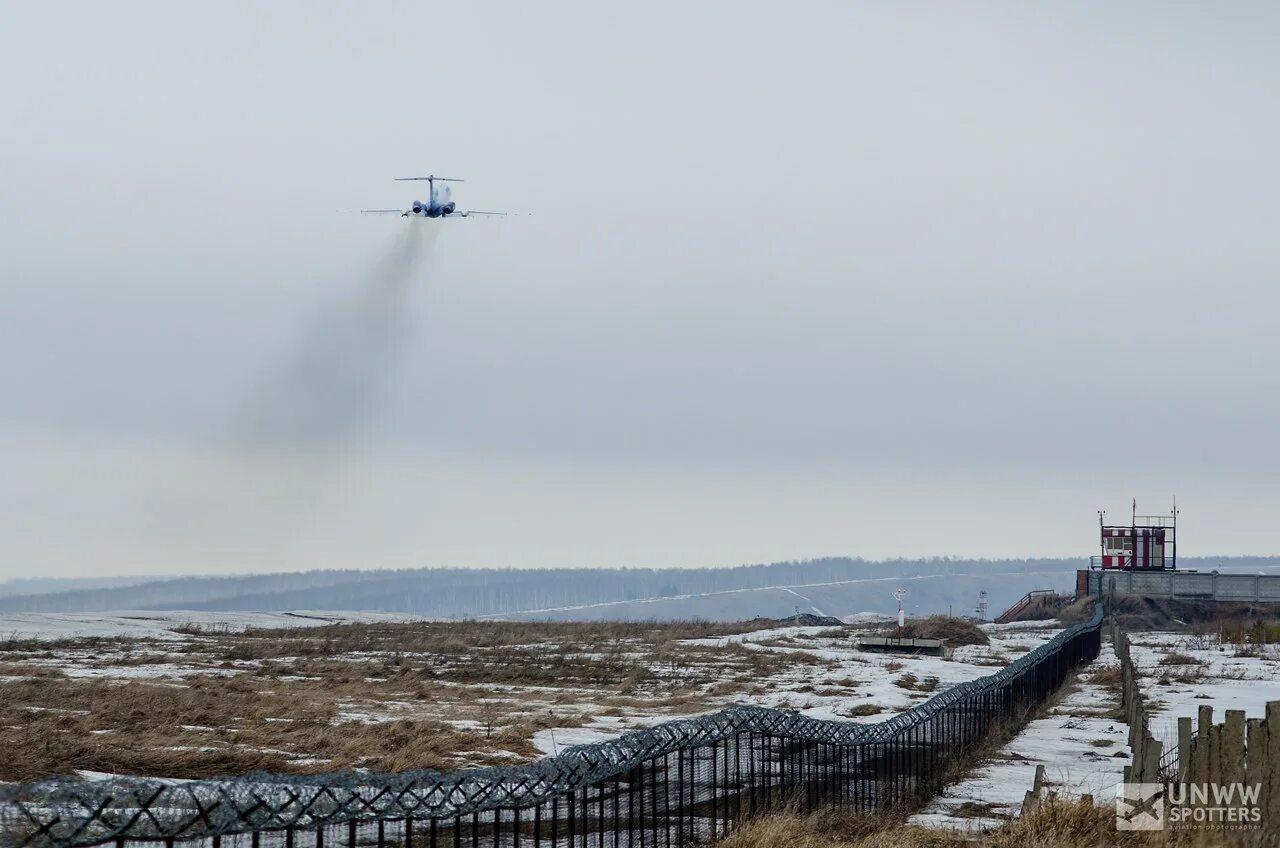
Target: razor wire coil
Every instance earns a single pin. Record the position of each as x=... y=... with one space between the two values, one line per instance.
x=68 y=813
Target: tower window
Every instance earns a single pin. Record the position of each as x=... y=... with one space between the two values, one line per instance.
x=1114 y=545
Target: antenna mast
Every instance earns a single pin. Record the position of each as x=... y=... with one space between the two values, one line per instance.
x=899 y=594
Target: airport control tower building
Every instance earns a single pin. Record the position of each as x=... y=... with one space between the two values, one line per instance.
x=1146 y=543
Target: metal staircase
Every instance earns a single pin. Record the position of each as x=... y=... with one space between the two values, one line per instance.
x=1022 y=603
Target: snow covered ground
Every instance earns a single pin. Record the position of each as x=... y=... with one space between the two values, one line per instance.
x=1081 y=746
x=1179 y=673
x=150 y=624
x=486 y=693
x=849 y=684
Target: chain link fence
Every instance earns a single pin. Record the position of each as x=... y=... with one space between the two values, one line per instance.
x=677 y=783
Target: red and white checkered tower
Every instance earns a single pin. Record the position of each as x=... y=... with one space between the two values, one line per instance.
x=1148 y=543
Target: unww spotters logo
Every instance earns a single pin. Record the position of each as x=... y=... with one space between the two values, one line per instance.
x=1186 y=806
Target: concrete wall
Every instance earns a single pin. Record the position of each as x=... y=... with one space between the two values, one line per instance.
x=1188 y=584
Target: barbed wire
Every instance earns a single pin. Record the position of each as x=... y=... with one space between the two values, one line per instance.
x=70 y=813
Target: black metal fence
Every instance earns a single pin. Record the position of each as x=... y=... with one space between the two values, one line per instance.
x=678 y=783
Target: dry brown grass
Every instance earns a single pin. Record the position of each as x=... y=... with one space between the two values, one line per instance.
x=1077 y=611
x=1107 y=676
x=1043 y=607
x=913 y=683
x=992 y=660
x=953 y=631
x=1060 y=823
x=862 y=710
x=1177 y=658
x=1053 y=823
x=210 y=727
x=980 y=810
x=380 y=696
x=830 y=829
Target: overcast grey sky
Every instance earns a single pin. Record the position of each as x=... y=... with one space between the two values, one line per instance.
x=796 y=279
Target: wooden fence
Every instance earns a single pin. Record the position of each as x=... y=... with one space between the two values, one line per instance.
x=1234 y=751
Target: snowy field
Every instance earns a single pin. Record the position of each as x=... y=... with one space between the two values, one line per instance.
x=855 y=686
x=217 y=696
x=891 y=682
x=1179 y=673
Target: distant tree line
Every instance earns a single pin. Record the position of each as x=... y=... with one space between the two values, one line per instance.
x=459 y=592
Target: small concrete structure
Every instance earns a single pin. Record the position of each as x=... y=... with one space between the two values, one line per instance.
x=901 y=645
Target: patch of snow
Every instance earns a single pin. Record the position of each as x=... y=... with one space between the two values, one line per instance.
x=1223 y=679
x=556 y=739
x=166 y=671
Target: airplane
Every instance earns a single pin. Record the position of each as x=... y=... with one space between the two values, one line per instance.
x=439 y=202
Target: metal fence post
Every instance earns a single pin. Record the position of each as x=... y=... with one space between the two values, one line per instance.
x=680 y=797
x=713 y=790
x=653 y=798
x=571 y=823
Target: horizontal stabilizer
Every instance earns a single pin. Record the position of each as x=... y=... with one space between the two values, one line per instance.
x=441 y=179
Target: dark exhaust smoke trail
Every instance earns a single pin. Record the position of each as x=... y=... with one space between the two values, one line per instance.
x=332 y=386
x=286 y=443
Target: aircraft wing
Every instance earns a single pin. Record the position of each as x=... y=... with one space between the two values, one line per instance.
x=474 y=212
x=381 y=211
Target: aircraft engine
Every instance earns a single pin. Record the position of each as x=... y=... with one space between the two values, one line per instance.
x=448 y=208
x=417 y=207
